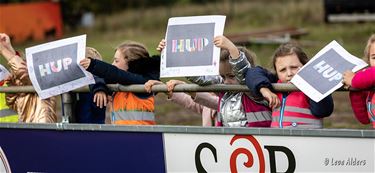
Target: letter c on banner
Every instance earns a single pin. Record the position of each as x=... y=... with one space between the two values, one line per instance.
x=198 y=163
x=250 y=161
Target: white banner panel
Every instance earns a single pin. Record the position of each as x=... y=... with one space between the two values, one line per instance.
x=322 y=75
x=189 y=47
x=247 y=153
x=54 y=67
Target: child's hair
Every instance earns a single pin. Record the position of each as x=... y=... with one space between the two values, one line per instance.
x=289 y=49
x=370 y=41
x=93 y=53
x=139 y=60
x=133 y=50
x=251 y=56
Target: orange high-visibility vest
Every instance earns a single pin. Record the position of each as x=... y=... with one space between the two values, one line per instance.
x=128 y=109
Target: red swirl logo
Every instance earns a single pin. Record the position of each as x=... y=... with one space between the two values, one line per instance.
x=250 y=161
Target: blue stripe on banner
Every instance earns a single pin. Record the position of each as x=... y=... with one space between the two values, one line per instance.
x=82 y=151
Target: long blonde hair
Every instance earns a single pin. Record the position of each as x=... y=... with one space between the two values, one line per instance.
x=370 y=41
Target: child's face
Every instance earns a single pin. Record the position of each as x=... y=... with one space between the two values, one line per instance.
x=287 y=67
x=119 y=61
x=226 y=73
x=372 y=54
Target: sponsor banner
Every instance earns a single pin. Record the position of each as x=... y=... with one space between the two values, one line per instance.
x=189 y=47
x=54 y=67
x=248 y=153
x=322 y=75
x=28 y=150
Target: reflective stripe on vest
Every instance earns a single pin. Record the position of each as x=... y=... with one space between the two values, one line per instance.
x=294 y=112
x=258 y=116
x=298 y=122
x=7 y=112
x=134 y=115
x=129 y=109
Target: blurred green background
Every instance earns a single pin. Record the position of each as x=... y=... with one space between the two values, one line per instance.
x=146 y=22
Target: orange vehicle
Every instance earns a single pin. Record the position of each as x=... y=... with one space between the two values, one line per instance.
x=35 y=21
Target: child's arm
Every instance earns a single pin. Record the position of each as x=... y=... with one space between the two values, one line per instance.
x=358 y=102
x=196 y=101
x=5 y=44
x=224 y=43
x=257 y=78
x=239 y=67
x=322 y=109
x=364 y=79
x=207 y=99
x=112 y=75
x=205 y=80
x=259 y=81
x=16 y=63
x=237 y=59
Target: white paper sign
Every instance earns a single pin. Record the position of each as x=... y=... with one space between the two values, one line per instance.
x=322 y=75
x=4 y=73
x=252 y=153
x=189 y=47
x=54 y=67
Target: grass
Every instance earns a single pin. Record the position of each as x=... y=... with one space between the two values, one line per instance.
x=148 y=25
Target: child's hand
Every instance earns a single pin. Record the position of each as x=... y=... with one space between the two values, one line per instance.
x=100 y=98
x=347 y=78
x=161 y=45
x=5 y=43
x=85 y=63
x=224 y=43
x=171 y=84
x=150 y=83
x=271 y=97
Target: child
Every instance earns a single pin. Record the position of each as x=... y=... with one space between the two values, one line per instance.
x=363 y=102
x=90 y=107
x=296 y=110
x=208 y=113
x=30 y=107
x=236 y=109
x=131 y=65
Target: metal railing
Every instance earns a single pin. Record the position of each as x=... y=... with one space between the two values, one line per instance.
x=67 y=99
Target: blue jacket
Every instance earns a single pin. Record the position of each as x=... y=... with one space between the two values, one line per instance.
x=258 y=77
x=86 y=110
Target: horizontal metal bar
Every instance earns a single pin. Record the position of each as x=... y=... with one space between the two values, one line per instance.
x=353 y=133
x=163 y=88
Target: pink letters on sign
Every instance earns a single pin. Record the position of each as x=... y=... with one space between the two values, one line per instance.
x=189 y=45
x=54 y=67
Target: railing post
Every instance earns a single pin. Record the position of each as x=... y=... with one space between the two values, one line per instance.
x=67 y=107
